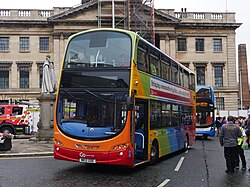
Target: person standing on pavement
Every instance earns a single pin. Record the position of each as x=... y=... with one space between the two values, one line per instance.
x=240 y=150
x=218 y=125
x=229 y=135
x=224 y=121
x=247 y=122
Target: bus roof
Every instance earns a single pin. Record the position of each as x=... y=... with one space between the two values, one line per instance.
x=203 y=86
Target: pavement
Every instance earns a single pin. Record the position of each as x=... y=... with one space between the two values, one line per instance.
x=26 y=145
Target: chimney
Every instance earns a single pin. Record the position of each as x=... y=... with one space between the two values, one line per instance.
x=243 y=76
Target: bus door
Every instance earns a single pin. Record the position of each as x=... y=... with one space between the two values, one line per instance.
x=141 y=130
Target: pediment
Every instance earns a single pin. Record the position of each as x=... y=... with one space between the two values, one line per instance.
x=88 y=12
x=160 y=15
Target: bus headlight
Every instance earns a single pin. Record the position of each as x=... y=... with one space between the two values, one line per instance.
x=57 y=142
x=120 y=147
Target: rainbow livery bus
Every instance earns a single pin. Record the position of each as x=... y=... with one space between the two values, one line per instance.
x=121 y=101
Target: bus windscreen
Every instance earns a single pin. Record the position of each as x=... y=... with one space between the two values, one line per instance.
x=99 y=49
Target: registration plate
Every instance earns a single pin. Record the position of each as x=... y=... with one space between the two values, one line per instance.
x=87 y=160
x=198 y=134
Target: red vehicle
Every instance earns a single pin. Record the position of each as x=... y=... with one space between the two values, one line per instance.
x=14 y=118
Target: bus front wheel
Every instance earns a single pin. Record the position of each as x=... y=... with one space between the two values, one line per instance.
x=154 y=153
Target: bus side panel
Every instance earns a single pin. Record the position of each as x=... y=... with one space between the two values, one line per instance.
x=169 y=139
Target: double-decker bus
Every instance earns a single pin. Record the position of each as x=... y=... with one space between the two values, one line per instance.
x=121 y=101
x=205 y=125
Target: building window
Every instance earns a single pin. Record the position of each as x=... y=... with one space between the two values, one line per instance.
x=218 y=76
x=44 y=43
x=4 y=78
x=24 y=76
x=40 y=75
x=220 y=103
x=182 y=44
x=199 y=44
x=4 y=43
x=24 y=43
x=217 y=45
x=200 y=73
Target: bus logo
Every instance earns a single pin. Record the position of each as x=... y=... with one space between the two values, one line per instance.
x=83 y=155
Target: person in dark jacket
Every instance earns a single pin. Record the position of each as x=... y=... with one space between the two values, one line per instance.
x=218 y=125
x=229 y=135
x=247 y=122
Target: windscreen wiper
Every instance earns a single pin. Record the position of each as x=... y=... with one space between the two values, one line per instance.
x=97 y=96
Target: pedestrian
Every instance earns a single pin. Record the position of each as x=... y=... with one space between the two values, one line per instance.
x=248 y=135
x=229 y=135
x=224 y=121
x=247 y=122
x=218 y=125
x=240 y=149
x=247 y=128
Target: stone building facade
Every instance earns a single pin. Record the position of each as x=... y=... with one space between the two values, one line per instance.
x=204 y=42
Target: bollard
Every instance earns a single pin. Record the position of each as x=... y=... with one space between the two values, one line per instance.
x=6 y=145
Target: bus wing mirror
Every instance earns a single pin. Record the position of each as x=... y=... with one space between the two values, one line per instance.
x=130 y=103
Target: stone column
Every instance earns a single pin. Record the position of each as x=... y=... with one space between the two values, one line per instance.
x=46 y=122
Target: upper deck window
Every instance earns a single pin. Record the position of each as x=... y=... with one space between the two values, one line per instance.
x=99 y=49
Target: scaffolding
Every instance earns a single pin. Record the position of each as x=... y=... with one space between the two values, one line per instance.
x=135 y=15
x=112 y=11
x=141 y=14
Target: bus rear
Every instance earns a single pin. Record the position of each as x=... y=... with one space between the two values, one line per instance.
x=205 y=123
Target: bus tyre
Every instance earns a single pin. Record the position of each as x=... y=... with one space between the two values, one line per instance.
x=154 y=153
x=205 y=137
x=7 y=129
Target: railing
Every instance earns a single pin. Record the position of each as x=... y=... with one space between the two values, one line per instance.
x=24 y=13
x=199 y=16
x=206 y=17
x=15 y=14
x=45 y=13
x=5 y=13
x=216 y=16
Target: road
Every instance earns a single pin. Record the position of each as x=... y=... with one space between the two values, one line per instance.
x=202 y=165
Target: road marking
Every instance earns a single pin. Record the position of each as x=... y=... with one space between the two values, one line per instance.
x=186 y=151
x=179 y=164
x=24 y=157
x=164 y=183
